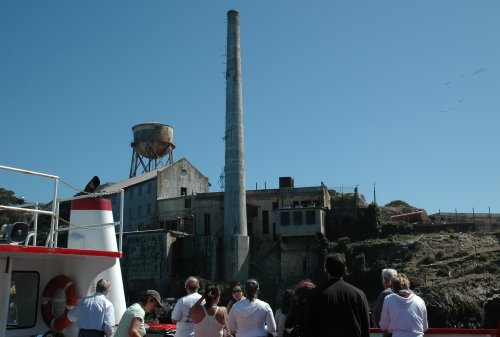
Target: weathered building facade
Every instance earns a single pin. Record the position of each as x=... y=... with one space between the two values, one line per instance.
x=142 y=192
x=174 y=228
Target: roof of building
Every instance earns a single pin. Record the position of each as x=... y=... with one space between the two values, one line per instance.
x=131 y=181
x=142 y=177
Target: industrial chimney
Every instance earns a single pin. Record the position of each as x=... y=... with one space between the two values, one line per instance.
x=236 y=241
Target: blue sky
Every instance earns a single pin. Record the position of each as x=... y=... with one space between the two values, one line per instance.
x=403 y=95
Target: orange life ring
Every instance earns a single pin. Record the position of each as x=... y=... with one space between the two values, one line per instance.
x=58 y=282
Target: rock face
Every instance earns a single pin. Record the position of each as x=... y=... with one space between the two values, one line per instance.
x=461 y=272
x=492 y=312
x=455 y=273
x=460 y=303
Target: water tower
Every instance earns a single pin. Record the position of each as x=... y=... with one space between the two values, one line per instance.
x=152 y=143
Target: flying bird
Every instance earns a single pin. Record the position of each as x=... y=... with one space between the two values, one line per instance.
x=479 y=71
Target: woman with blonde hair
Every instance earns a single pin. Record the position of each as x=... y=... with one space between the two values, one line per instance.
x=403 y=314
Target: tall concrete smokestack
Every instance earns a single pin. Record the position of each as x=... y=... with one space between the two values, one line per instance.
x=236 y=241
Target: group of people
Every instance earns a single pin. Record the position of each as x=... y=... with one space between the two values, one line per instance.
x=398 y=310
x=95 y=315
x=200 y=315
x=335 y=308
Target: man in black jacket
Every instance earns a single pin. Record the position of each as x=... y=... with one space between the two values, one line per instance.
x=336 y=308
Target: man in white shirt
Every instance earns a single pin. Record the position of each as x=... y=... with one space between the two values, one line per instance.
x=180 y=314
x=95 y=315
x=387 y=276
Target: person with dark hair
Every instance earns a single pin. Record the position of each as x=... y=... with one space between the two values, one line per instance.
x=387 y=275
x=95 y=315
x=236 y=294
x=294 y=324
x=251 y=317
x=281 y=313
x=180 y=314
x=132 y=322
x=337 y=308
x=209 y=319
x=404 y=314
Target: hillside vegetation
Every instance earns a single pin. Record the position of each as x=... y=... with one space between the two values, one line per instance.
x=455 y=273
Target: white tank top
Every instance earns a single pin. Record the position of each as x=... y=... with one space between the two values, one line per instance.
x=209 y=326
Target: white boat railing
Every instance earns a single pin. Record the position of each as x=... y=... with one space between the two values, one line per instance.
x=52 y=237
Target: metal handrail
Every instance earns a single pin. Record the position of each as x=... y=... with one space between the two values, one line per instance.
x=54 y=222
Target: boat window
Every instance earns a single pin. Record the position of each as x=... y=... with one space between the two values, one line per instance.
x=23 y=301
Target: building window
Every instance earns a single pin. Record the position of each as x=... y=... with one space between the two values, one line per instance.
x=310 y=217
x=187 y=203
x=285 y=218
x=23 y=307
x=149 y=209
x=184 y=171
x=138 y=211
x=265 y=222
x=206 y=223
x=297 y=218
x=183 y=191
x=275 y=206
x=296 y=202
x=171 y=224
x=150 y=187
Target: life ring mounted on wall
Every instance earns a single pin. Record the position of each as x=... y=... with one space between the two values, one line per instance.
x=59 y=282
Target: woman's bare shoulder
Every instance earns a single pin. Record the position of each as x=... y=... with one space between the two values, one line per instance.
x=222 y=312
x=197 y=313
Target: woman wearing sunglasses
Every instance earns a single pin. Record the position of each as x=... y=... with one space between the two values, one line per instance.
x=236 y=294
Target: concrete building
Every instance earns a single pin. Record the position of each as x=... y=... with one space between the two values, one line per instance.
x=175 y=227
x=280 y=222
x=142 y=192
